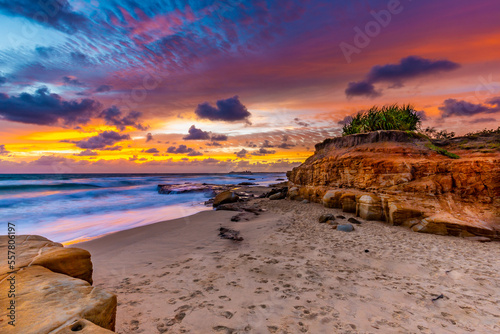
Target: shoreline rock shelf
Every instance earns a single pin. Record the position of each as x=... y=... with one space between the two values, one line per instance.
x=393 y=177
x=54 y=292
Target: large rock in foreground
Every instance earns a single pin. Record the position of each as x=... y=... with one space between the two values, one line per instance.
x=53 y=291
x=396 y=177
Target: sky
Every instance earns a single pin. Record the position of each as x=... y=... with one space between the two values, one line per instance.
x=127 y=86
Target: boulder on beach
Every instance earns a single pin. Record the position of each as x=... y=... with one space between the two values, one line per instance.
x=225 y=197
x=54 y=290
x=74 y=262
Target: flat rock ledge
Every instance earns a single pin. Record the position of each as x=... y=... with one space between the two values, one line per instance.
x=53 y=290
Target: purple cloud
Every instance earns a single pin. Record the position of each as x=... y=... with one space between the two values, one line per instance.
x=3 y=150
x=453 y=107
x=407 y=68
x=87 y=153
x=228 y=110
x=114 y=116
x=44 y=108
x=102 y=140
x=196 y=134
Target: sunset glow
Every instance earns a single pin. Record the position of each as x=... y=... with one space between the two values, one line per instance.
x=104 y=86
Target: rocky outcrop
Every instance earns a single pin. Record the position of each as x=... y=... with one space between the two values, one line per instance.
x=396 y=177
x=166 y=189
x=225 y=197
x=53 y=290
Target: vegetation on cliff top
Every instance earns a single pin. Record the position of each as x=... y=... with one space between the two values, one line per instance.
x=389 y=117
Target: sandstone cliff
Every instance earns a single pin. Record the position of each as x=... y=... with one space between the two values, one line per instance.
x=400 y=178
x=53 y=291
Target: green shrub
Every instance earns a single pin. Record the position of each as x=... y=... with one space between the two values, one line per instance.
x=390 y=117
x=484 y=132
x=442 y=151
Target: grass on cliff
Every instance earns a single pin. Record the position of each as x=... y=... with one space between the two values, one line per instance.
x=442 y=151
x=389 y=117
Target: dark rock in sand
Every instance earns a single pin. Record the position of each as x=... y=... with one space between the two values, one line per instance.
x=340 y=217
x=345 y=228
x=441 y=296
x=354 y=221
x=305 y=201
x=246 y=184
x=229 y=207
x=326 y=217
x=226 y=233
x=236 y=218
x=240 y=207
x=277 y=196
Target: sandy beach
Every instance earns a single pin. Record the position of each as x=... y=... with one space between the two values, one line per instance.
x=291 y=274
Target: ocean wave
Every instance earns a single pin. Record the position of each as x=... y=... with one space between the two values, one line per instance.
x=39 y=187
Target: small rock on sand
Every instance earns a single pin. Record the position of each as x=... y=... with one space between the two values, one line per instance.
x=354 y=221
x=345 y=228
x=326 y=217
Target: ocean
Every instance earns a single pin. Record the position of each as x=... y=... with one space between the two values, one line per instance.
x=70 y=208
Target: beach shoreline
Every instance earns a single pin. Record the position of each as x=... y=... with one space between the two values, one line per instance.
x=291 y=274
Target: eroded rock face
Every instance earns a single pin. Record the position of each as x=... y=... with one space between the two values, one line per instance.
x=393 y=176
x=53 y=290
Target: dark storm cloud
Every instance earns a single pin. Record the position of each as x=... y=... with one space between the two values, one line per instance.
x=182 y=149
x=453 y=107
x=361 y=88
x=44 y=108
x=228 y=110
x=241 y=154
x=114 y=116
x=56 y=14
x=219 y=137
x=196 y=134
x=2 y=79
x=102 y=140
x=149 y=137
x=407 y=68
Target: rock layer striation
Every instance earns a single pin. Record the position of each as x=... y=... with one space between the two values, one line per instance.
x=397 y=177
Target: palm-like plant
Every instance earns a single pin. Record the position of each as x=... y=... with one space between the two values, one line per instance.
x=389 y=117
